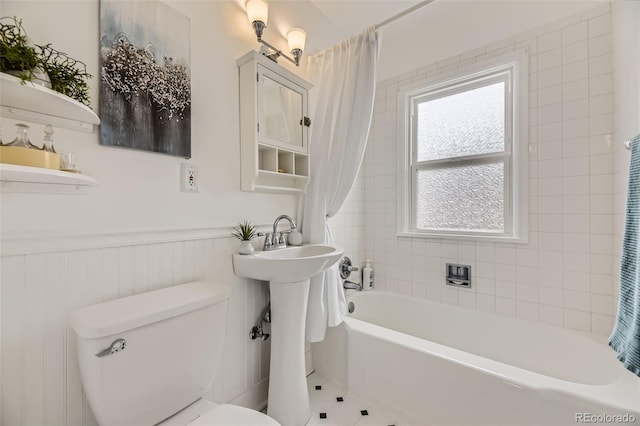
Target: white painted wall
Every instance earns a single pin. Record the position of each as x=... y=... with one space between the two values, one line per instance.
x=626 y=57
x=140 y=190
x=133 y=232
x=564 y=275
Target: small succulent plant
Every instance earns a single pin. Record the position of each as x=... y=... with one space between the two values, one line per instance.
x=244 y=231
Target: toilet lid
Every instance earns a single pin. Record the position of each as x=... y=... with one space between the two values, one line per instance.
x=232 y=415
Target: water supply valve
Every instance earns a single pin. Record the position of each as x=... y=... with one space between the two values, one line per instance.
x=257 y=332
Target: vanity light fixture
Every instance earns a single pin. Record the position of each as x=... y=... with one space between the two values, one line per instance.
x=258 y=11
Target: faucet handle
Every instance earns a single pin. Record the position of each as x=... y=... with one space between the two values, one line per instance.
x=346 y=267
x=268 y=239
x=279 y=239
x=283 y=238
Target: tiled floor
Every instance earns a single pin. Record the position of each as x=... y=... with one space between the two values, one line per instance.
x=331 y=405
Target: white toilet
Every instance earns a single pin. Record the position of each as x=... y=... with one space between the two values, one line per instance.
x=148 y=359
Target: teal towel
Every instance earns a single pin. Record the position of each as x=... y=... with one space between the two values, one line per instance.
x=625 y=338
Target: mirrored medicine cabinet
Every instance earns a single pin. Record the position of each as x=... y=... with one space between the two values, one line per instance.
x=274 y=127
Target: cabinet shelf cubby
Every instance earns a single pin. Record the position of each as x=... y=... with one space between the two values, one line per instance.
x=301 y=165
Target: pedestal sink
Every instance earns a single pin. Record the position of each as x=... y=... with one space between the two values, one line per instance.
x=288 y=271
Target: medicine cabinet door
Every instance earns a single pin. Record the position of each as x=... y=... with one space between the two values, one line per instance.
x=282 y=108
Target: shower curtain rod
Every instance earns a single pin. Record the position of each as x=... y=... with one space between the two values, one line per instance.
x=403 y=13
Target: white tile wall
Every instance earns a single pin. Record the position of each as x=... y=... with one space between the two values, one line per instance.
x=626 y=65
x=564 y=275
x=40 y=380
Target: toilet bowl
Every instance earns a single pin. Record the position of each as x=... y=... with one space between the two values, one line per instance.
x=149 y=359
x=206 y=413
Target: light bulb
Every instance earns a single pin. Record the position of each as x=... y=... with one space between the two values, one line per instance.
x=296 y=38
x=257 y=10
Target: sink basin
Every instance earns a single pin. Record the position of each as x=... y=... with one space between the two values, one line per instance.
x=289 y=264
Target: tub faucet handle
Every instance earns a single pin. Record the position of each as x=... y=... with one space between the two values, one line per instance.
x=346 y=268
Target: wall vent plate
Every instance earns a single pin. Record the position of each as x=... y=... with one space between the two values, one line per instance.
x=458 y=275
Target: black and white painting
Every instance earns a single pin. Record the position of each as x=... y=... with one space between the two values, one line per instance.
x=145 y=82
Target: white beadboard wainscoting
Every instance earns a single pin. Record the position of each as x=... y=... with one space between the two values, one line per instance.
x=40 y=285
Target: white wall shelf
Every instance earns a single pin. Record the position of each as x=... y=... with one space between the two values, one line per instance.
x=36 y=103
x=15 y=178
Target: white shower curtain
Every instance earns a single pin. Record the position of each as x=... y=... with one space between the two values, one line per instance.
x=345 y=77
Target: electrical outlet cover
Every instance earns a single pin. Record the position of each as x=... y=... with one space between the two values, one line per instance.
x=189 y=178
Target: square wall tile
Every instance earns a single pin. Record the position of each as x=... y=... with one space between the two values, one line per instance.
x=551 y=315
x=575 y=52
x=575 y=33
x=577 y=320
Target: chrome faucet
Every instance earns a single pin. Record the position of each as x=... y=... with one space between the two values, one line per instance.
x=350 y=285
x=277 y=240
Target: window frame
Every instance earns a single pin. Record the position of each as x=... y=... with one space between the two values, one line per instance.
x=511 y=68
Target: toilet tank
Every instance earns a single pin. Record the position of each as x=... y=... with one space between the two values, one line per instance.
x=173 y=345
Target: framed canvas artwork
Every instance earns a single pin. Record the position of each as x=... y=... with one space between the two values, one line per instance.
x=145 y=83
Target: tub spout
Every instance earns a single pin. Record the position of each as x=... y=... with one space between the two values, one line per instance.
x=350 y=285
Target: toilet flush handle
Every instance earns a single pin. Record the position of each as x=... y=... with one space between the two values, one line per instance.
x=116 y=346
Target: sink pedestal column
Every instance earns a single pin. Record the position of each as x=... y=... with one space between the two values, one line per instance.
x=288 y=395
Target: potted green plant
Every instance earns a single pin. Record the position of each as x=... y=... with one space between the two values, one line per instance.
x=41 y=64
x=16 y=56
x=67 y=75
x=245 y=231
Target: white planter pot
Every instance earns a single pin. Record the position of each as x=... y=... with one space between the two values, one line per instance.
x=246 y=248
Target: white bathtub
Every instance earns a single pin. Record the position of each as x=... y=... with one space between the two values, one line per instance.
x=444 y=365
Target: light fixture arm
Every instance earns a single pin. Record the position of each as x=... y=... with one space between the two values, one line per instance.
x=277 y=52
x=257 y=12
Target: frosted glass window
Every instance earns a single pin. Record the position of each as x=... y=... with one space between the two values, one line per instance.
x=466 y=197
x=460 y=162
x=466 y=123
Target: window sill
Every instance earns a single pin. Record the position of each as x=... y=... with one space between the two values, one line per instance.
x=463 y=237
